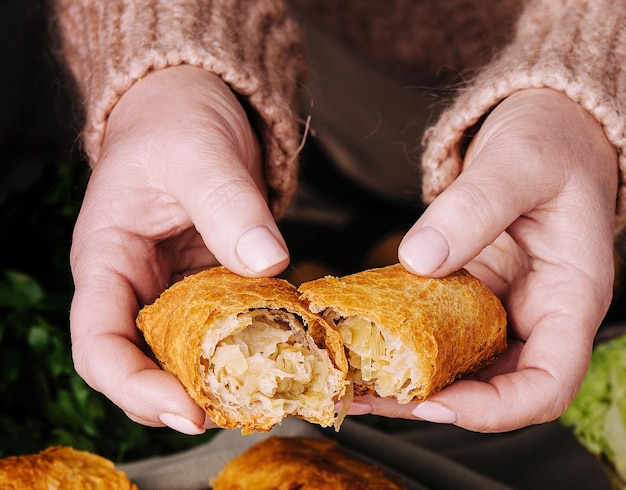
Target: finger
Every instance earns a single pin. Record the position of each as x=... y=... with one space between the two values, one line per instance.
x=531 y=383
x=544 y=365
x=386 y=407
x=230 y=213
x=106 y=353
x=467 y=217
x=506 y=402
x=389 y=407
x=199 y=159
x=183 y=255
x=534 y=147
x=147 y=394
x=549 y=372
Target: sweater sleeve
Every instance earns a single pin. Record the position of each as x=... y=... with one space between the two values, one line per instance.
x=576 y=47
x=253 y=45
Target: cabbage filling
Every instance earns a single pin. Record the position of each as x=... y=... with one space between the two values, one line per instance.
x=378 y=361
x=269 y=363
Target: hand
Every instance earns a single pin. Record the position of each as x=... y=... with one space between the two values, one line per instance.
x=532 y=215
x=178 y=188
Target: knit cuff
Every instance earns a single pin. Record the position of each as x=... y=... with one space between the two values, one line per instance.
x=254 y=46
x=573 y=47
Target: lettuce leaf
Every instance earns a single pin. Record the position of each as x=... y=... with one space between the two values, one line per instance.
x=598 y=414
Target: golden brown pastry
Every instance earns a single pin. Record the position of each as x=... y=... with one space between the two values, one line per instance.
x=61 y=468
x=408 y=336
x=289 y=463
x=247 y=350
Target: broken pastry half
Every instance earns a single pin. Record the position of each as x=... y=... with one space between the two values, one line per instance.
x=407 y=336
x=247 y=350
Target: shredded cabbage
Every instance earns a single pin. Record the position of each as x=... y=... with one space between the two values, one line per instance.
x=265 y=364
x=384 y=363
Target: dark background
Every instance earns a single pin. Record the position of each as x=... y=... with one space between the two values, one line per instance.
x=340 y=229
x=337 y=228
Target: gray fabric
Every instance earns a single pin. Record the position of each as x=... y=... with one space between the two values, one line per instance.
x=192 y=469
x=537 y=457
x=369 y=124
x=418 y=468
x=423 y=455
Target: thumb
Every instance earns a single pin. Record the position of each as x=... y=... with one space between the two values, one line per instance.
x=528 y=150
x=468 y=216
x=231 y=214
x=199 y=147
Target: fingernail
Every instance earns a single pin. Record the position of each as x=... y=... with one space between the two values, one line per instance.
x=424 y=251
x=357 y=407
x=258 y=250
x=181 y=424
x=435 y=412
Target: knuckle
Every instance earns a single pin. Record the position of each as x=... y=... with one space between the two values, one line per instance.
x=474 y=205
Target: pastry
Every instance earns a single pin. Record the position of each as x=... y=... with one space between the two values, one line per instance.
x=63 y=468
x=407 y=336
x=252 y=351
x=288 y=463
x=247 y=350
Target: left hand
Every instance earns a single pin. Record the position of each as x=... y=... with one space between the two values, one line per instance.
x=532 y=215
x=178 y=188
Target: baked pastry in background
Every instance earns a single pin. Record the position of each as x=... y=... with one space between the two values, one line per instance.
x=288 y=463
x=247 y=350
x=62 y=468
x=408 y=336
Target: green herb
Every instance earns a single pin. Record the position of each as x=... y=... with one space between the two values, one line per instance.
x=42 y=400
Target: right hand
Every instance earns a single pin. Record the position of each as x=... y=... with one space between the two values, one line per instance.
x=533 y=216
x=178 y=187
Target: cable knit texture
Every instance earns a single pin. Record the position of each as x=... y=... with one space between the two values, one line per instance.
x=254 y=46
x=419 y=41
x=573 y=46
x=489 y=49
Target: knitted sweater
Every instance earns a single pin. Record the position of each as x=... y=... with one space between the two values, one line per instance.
x=491 y=48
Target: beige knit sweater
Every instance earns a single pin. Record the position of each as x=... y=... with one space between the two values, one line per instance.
x=491 y=48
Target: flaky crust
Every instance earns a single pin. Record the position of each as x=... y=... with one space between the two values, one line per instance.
x=61 y=468
x=455 y=324
x=175 y=325
x=288 y=463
